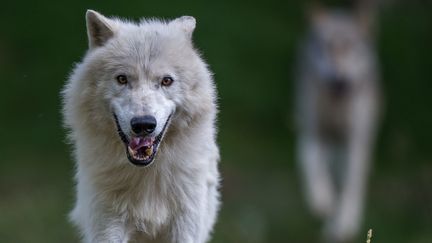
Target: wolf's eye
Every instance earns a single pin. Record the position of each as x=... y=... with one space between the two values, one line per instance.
x=167 y=81
x=122 y=79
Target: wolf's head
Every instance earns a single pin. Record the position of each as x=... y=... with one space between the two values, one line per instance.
x=339 y=48
x=138 y=80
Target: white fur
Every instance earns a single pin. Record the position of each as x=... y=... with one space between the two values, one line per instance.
x=176 y=198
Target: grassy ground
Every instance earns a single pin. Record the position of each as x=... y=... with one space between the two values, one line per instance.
x=250 y=48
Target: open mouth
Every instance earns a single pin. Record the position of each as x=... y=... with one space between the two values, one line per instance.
x=141 y=150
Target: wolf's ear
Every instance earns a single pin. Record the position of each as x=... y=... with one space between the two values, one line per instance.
x=186 y=24
x=315 y=13
x=366 y=15
x=99 y=29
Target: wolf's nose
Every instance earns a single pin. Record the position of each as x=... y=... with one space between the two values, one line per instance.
x=142 y=125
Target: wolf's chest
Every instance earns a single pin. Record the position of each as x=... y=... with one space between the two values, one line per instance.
x=147 y=206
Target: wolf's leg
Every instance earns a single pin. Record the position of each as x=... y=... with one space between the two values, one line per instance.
x=212 y=208
x=349 y=211
x=108 y=231
x=318 y=185
x=197 y=216
x=350 y=208
x=186 y=227
x=97 y=227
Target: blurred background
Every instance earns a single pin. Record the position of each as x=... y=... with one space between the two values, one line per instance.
x=251 y=48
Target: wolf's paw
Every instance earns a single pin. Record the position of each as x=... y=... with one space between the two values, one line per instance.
x=340 y=230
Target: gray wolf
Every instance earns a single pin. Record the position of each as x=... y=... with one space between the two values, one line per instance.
x=140 y=108
x=337 y=100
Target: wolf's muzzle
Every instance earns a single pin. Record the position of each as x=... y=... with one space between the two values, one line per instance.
x=142 y=147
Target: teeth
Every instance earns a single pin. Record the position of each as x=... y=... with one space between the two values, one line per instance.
x=131 y=151
x=135 y=154
x=149 y=151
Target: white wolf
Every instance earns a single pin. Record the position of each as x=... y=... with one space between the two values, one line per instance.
x=337 y=106
x=141 y=112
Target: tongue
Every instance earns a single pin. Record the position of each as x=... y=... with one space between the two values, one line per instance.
x=139 y=142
